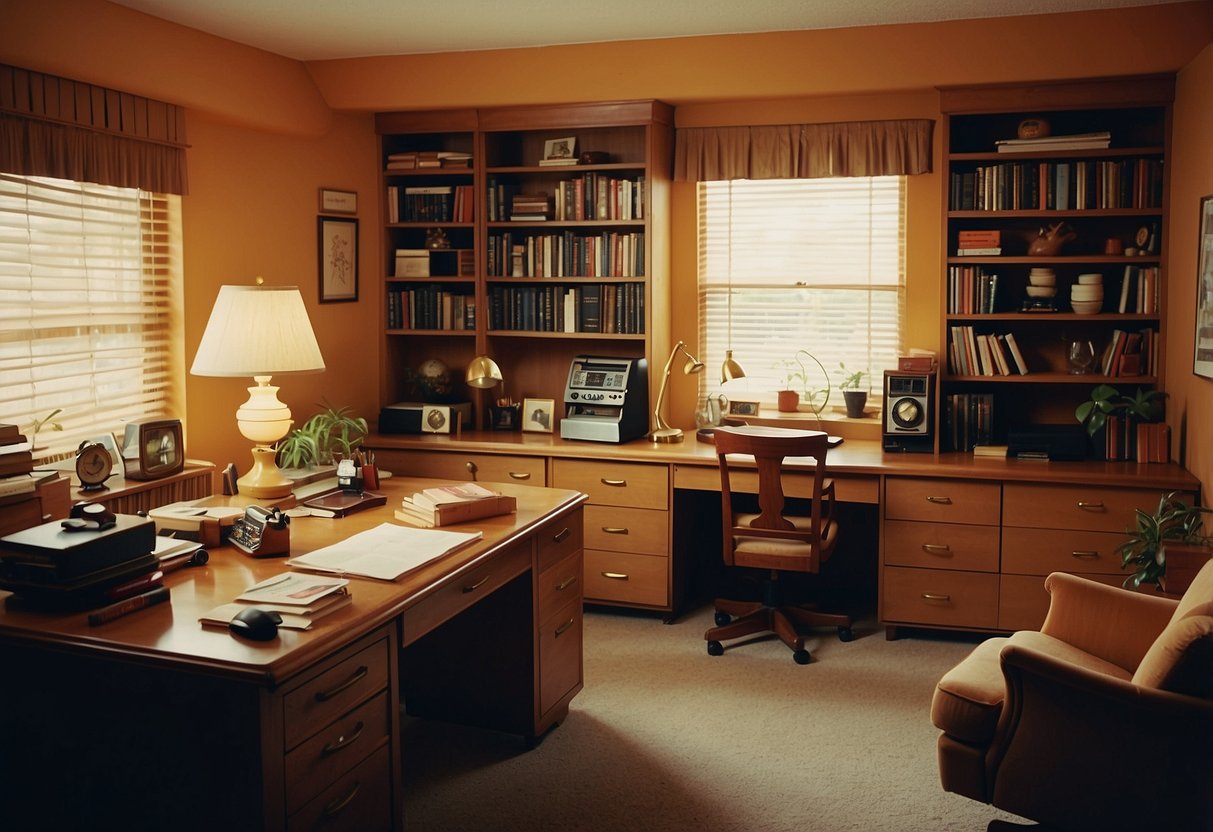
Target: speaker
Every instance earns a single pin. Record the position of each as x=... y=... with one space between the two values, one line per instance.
x=908 y=418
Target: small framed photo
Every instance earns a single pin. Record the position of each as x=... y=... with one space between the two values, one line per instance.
x=741 y=407
x=560 y=150
x=1203 y=361
x=333 y=201
x=337 y=246
x=537 y=415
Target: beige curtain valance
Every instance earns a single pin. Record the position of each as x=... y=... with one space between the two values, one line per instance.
x=803 y=151
x=66 y=129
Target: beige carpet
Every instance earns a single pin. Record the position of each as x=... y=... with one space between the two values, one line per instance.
x=665 y=737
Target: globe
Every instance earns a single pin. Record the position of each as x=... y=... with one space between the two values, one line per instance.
x=434 y=380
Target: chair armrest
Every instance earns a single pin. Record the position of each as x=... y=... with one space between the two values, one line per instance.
x=1068 y=734
x=1115 y=624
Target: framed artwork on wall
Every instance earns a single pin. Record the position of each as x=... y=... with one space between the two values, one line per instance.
x=334 y=201
x=1203 y=349
x=337 y=243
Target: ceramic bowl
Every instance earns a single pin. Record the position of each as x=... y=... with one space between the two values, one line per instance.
x=1042 y=280
x=1041 y=291
x=1086 y=307
x=1090 y=279
x=1086 y=293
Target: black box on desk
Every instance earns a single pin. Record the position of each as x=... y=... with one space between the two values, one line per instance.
x=1052 y=442
x=423 y=417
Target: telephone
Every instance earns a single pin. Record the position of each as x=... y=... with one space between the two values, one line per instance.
x=262 y=532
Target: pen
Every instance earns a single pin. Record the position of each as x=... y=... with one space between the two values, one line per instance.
x=137 y=602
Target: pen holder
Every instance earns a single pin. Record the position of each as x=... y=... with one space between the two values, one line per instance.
x=505 y=417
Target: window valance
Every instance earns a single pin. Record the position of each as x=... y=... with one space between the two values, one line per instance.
x=803 y=151
x=66 y=129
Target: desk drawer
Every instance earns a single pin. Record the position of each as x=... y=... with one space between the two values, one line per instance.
x=1041 y=551
x=453 y=465
x=336 y=749
x=560 y=538
x=639 y=530
x=560 y=584
x=1075 y=506
x=359 y=801
x=941 y=545
x=321 y=700
x=942 y=597
x=560 y=637
x=942 y=500
x=607 y=483
x=466 y=589
x=618 y=577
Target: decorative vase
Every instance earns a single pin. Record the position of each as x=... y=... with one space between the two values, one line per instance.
x=856 y=401
x=789 y=401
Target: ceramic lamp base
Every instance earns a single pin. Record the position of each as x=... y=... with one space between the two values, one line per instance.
x=264 y=479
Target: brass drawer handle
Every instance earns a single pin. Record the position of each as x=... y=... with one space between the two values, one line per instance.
x=357 y=676
x=476 y=585
x=943 y=501
x=563 y=628
x=338 y=806
x=614 y=483
x=342 y=742
x=931 y=596
x=566 y=583
x=615 y=529
x=1091 y=506
x=1084 y=554
x=937 y=549
x=616 y=576
x=519 y=475
x=561 y=535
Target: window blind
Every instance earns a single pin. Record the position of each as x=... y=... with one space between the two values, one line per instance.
x=89 y=300
x=791 y=264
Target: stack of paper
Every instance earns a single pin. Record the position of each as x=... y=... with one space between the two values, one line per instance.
x=299 y=599
x=386 y=552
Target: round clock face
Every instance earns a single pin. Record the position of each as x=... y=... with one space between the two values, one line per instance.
x=93 y=465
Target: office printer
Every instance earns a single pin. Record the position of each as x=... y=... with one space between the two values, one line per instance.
x=606 y=399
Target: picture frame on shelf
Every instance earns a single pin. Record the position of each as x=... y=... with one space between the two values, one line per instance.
x=337 y=252
x=335 y=201
x=538 y=415
x=560 y=151
x=1202 y=361
x=743 y=407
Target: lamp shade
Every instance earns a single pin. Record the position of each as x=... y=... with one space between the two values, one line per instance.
x=258 y=330
x=483 y=373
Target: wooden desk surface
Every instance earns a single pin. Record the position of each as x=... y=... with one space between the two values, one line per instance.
x=170 y=633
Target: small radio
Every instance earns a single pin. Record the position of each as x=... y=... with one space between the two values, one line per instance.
x=908 y=419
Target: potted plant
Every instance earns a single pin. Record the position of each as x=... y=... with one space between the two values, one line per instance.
x=1173 y=522
x=796 y=385
x=1106 y=403
x=856 y=399
x=330 y=432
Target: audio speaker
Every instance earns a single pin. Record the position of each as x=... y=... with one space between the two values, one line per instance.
x=908 y=418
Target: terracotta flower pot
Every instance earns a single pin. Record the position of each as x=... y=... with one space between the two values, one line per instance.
x=789 y=400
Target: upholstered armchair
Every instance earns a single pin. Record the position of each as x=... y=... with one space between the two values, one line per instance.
x=1102 y=720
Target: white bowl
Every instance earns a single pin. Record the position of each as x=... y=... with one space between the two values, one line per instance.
x=1086 y=307
x=1090 y=279
x=1041 y=291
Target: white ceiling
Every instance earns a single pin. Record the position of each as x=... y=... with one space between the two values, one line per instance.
x=322 y=29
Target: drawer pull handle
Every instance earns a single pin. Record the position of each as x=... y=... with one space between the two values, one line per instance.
x=561 y=535
x=615 y=529
x=563 y=628
x=477 y=585
x=338 y=806
x=943 y=501
x=356 y=677
x=472 y=469
x=566 y=583
x=616 y=576
x=519 y=475
x=342 y=742
x=937 y=549
x=1083 y=504
x=1089 y=555
x=614 y=483
x=932 y=596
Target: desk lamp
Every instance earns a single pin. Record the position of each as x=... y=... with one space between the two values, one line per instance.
x=730 y=369
x=259 y=331
x=483 y=373
x=663 y=432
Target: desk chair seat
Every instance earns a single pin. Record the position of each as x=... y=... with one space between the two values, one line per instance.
x=774 y=540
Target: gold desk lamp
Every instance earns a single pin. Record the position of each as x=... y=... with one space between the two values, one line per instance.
x=663 y=432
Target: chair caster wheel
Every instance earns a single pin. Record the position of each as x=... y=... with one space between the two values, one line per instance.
x=715 y=648
x=845 y=634
x=722 y=618
x=801 y=656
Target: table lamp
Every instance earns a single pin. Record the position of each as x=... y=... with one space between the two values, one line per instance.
x=663 y=432
x=259 y=331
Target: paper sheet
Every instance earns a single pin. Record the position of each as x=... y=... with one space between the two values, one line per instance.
x=386 y=552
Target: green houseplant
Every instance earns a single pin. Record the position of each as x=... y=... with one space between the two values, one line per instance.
x=1145 y=550
x=856 y=399
x=796 y=384
x=1106 y=400
x=331 y=431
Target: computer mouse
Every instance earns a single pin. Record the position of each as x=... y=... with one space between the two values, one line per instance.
x=256 y=623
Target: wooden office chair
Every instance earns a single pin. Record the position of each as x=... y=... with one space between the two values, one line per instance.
x=774 y=540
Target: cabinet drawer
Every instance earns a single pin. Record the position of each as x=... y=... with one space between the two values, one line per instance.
x=626 y=578
x=1075 y=506
x=559 y=654
x=560 y=538
x=336 y=749
x=940 y=596
x=454 y=465
x=1041 y=551
x=466 y=589
x=640 y=530
x=949 y=501
x=1023 y=601
x=615 y=483
x=560 y=584
x=360 y=800
x=941 y=545
x=325 y=697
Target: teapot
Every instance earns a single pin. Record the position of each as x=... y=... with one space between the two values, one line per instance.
x=1049 y=240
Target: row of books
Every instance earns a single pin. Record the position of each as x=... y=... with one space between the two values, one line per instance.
x=1139 y=290
x=591 y=196
x=971 y=353
x=608 y=254
x=616 y=308
x=969 y=420
x=430 y=203
x=430 y=307
x=1129 y=440
x=1130 y=353
x=1059 y=186
x=972 y=290
x=410 y=159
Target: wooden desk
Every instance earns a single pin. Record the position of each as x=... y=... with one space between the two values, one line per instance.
x=964 y=541
x=154 y=722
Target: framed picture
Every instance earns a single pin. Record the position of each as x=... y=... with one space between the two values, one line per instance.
x=333 y=201
x=337 y=243
x=560 y=149
x=537 y=414
x=1203 y=361
x=741 y=407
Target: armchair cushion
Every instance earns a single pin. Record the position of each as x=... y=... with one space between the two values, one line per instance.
x=1181 y=658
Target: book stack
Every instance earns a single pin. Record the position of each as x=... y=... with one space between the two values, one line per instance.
x=1129 y=440
x=1078 y=141
x=410 y=159
x=974 y=242
x=300 y=600
x=447 y=504
x=412 y=262
x=16 y=452
x=530 y=207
